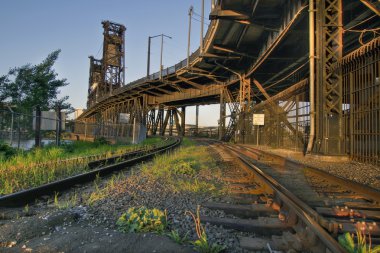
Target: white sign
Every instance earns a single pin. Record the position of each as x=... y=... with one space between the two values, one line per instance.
x=258 y=119
x=49 y=120
x=124 y=118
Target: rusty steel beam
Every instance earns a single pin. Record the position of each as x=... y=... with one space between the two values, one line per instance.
x=371 y=6
x=283 y=94
x=273 y=106
x=195 y=85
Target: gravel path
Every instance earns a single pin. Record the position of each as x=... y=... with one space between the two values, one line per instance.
x=367 y=174
x=91 y=227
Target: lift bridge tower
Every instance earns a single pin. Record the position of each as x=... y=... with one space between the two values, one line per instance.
x=108 y=73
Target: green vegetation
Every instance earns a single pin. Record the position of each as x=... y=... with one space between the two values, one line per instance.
x=175 y=236
x=6 y=151
x=202 y=245
x=142 y=220
x=348 y=243
x=31 y=86
x=185 y=170
x=39 y=166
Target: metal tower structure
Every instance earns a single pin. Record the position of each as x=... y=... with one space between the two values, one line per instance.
x=95 y=78
x=113 y=57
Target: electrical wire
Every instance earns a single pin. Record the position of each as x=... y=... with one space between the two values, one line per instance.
x=205 y=23
x=97 y=54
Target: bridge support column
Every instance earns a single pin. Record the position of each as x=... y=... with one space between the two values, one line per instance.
x=177 y=122
x=222 y=115
x=183 y=120
x=171 y=122
x=196 y=120
x=245 y=104
x=165 y=122
x=160 y=118
x=151 y=122
x=329 y=50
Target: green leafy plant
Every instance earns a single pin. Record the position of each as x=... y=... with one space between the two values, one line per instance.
x=183 y=168
x=347 y=240
x=142 y=220
x=7 y=151
x=175 y=236
x=26 y=209
x=202 y=245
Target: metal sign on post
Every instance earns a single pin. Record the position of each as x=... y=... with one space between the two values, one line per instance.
x=49 y=120
x=124 y=118
x=258 y=119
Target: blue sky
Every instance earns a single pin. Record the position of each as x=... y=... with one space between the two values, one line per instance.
x=30 y=30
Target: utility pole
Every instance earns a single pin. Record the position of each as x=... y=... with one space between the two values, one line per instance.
x=188 y=39
x=162 y=50
x=37 y=137
x=202 y=25
x=12 y=112
x=58 y=129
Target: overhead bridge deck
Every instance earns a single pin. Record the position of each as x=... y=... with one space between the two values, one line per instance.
x=286 y=59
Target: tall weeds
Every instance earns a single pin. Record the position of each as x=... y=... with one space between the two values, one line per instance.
x=40 y=166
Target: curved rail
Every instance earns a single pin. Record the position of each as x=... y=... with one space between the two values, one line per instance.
x=365 y=190
x=309 y=216
x=304 y=212
x=27 y=196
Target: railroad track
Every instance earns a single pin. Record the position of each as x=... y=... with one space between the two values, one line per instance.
x=294 y=207
x=97 y=168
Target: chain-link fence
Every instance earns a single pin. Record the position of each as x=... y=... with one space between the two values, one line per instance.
x=116 y=133
x=18 y=129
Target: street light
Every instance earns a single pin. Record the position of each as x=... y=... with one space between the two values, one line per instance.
x=189 y=35
x=162 y=50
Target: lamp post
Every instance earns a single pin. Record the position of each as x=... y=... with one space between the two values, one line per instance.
x=202 y=25
x=162 y=50
x=189 y=35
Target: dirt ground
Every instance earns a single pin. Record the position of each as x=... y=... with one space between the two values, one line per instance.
x=69 y=231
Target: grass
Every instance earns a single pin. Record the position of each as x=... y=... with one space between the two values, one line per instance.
x=202 y=244
x=29 y=169
x=362 y=245
x=102 y=192
x=175 y=236
x=187 y=169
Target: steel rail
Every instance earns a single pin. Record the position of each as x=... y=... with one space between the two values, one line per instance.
x=24 y=197
x=365 y=190
x=113 y=159
x=304 y=212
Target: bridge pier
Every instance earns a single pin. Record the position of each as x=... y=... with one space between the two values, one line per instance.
x=183 y=121
x=222 y=115
x=171 y=121
x=196 y=120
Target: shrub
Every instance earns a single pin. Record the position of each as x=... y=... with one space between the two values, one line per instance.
x=142 y=220
x=7 y=151
x=101 y=141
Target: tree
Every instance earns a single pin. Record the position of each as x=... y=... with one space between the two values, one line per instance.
x=33 y=86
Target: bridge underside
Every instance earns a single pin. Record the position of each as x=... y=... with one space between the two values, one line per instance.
x=310 y=67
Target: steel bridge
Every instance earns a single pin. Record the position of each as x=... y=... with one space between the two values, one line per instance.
x=311 y=67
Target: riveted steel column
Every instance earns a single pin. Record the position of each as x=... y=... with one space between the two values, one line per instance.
x=222 y=115
x=329 y=135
